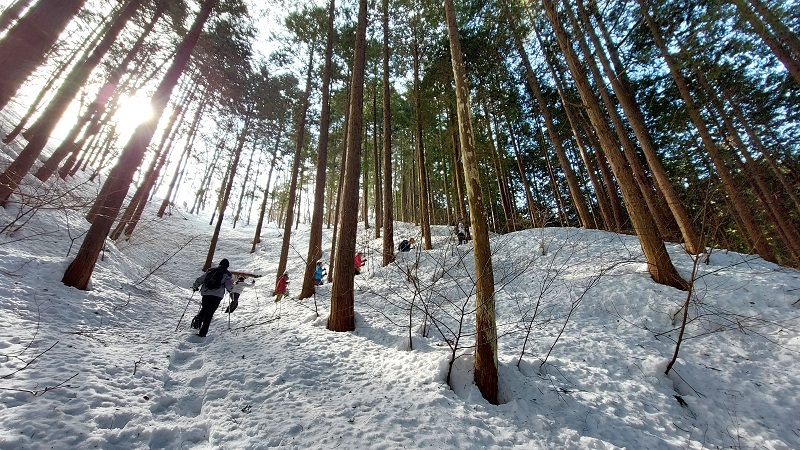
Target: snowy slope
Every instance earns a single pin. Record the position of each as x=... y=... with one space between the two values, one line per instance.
x=106 y=368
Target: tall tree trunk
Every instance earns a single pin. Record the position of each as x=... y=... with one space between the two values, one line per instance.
x=56 y=76
x=458 y=164
x=27 y=43
x=578 y=198
x=756 y=141
x=621 y=87
x=260 y=224
x=377 y=160
x=315 y=233
x=388 y=187
x=486 y=365
x=94 y=110
x=227 y=188
x=365 y=182
x=728 y=181
x=342 y=312
x=781 y=219
x=779 y=42
x=240 y=202
x=502 y=181
x=664 y=222
x=113 y=192
x=41 y=130
x=12 y=12
x=186 y=155
x=302 y=113
x=339 y=187
x=522 y=175
x=424 y=199
x=659 y=264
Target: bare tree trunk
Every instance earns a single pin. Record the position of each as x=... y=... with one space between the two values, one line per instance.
x=244 y=187
x=664 y=222
x=783 y=43
x=424 y=200
x=756 y=141
x=621 y=87
x=12 y=12
x=342 y=312
x=578 y=198
x=522 y=175
x=94 y=110
x=27 y=43
x=315 y=233
x=112 y=194
x=339 y=186
x=733 y=191
x=90 y=41
x=780 y=217
x=41 y=130
x=659 y=264
x=377 y=163
x=486 y=365
x=227 y=188
x=260 y=224
x=388 y=187
x=365 y=182
x=301 y=134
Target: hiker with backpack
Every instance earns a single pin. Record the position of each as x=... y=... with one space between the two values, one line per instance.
x=237 y=290
x=319 y=272
x=405 y=245
x=212 y=285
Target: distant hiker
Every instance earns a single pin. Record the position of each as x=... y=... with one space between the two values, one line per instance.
x=358 y=261
x=319 y=272
x=280 y=286
x=212 y=286
x=405 y=245
x=238 y=287
x=461 y=231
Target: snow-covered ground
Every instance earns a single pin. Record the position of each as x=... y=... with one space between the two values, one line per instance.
x=584 y=338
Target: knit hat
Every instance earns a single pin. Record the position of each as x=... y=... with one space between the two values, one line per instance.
x=224 y=263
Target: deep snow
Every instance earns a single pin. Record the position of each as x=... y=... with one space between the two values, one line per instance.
x=106 y=368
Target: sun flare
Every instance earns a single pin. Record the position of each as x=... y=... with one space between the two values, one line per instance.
x=133 y=111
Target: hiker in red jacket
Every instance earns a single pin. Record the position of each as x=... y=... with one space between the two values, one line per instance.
x=280 y=286
x=359 y=261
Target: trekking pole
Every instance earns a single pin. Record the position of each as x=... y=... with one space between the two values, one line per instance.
x=229 y=311
x=184 y=310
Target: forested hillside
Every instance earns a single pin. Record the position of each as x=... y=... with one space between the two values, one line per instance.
x=674 y=122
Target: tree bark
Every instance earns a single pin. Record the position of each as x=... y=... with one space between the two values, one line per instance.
x=486 y=364
x=578 y=198
x=424 y=200
x=27 y=43
x=260 y=224
x=12 y=12
x=659 y=264
x=95 y=109
x=40 y=131
x=315 y=233
x=388 y=188
x=621 y=87
x=302 y=114
x=729 y=183
x=342 y=312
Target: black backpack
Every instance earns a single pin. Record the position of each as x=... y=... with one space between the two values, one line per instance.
x=213 y=279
